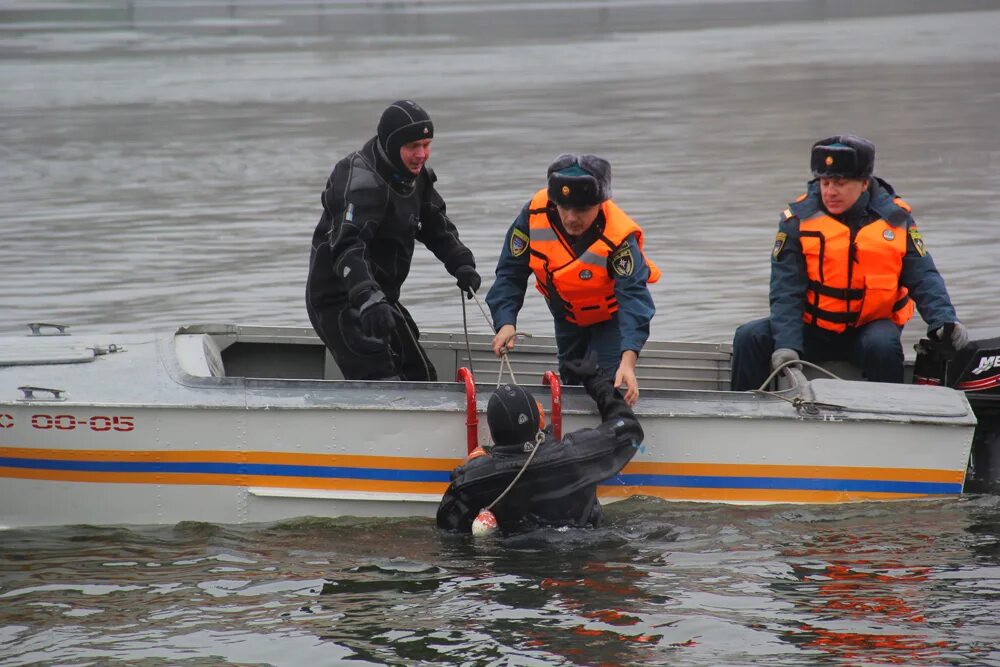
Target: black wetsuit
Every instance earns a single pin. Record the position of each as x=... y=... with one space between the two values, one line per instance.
x=364 y=241
x=559 y=487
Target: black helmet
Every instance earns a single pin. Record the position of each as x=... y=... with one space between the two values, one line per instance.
x=402 y=121
x=843 y=156
x=512 y=415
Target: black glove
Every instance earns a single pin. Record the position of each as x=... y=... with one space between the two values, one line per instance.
x=953 y=333
x=468 y=280
x=580 y=369
x=378 y=318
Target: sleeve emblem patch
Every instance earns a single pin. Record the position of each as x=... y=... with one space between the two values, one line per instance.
x=779 y=243
x=622 y=261
x=918 y=241
x=518 y=242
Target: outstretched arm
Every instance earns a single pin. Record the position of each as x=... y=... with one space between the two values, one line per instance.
x=617 y=417
x=506 y=296
x=625 y=376
x=627 y=267
x=440 y=235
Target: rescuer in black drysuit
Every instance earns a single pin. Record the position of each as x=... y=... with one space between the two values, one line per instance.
x=559 y=486
x=378 y=202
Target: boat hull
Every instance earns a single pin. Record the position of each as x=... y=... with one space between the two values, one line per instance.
x=134 y=438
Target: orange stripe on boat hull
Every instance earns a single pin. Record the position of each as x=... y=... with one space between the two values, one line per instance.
x=748 y=495
x=332 y=484
x=797 y=471
x=229 y=456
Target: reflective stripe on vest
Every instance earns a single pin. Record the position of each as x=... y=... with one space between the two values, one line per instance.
x=582 y=284
x=853 y=282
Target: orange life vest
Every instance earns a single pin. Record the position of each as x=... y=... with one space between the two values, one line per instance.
x=853 y=281
x=583 y=284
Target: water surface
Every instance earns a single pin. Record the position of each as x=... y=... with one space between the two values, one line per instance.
x=915 y=583
x=161 y=163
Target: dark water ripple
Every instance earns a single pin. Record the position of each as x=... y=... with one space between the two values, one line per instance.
x=913 y=583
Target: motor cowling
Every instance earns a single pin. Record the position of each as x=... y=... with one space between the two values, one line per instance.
x=975 y=369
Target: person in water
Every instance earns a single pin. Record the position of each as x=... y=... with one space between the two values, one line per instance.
x=559 y=485
x=587 y=258
x=378 y=201
x=847 y=266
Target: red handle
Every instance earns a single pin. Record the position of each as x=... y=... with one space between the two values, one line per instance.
x=551 y=378
x=471 y=418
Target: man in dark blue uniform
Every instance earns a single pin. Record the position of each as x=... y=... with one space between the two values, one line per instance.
x=587 y=258
x=847 y=266
x=378 y=201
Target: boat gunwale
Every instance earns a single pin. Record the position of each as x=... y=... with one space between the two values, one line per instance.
x=249 y=393
x=575 y=399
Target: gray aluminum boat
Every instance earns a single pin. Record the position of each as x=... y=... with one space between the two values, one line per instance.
x=229 y=424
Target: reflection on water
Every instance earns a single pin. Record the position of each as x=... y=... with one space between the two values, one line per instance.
x=916 y=583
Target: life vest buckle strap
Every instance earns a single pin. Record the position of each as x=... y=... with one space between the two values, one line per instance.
x=844 y=294
x=830 y=316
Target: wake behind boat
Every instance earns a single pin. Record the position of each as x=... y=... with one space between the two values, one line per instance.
x=231 y=424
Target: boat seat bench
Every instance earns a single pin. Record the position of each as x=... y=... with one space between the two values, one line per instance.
x=289 y=353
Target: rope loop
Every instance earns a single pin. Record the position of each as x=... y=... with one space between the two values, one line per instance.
x=504 y=362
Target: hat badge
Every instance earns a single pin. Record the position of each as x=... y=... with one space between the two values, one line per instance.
x=829 y=160
x=565 y=191
x=426 y=129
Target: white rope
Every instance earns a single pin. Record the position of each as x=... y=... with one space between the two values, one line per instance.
x=504 y=362
x=793 y=362
x=486 y=315
x=798 y=402
x=505 y=359
x=539 y=439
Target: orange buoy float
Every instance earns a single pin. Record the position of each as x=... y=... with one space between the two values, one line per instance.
x=484 y=523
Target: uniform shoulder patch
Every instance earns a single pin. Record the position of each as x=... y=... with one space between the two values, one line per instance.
x=918 y=241
x=779 y=244
x=622 y=261
x=519 y=242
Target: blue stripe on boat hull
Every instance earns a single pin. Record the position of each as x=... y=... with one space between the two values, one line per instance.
x=442 y=476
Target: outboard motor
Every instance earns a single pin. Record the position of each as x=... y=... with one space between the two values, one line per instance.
x=975 y=369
